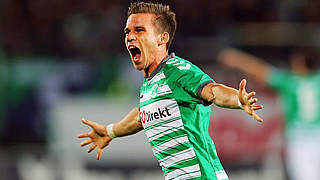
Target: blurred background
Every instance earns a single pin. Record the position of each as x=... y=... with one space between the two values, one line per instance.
x=61 y=60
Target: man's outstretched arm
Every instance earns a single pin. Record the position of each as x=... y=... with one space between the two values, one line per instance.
x=131 y=124
x=224 y=96
x=101 y=135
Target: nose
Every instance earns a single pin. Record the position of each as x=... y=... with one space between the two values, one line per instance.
x=131 y=37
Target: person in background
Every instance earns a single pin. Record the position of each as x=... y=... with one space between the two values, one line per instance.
x=299 y=91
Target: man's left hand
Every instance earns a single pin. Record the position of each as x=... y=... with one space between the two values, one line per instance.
x=248 y=102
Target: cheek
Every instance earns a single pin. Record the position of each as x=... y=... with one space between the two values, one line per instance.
x=150 y=44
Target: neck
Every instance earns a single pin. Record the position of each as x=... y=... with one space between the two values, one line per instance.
x=148 y=71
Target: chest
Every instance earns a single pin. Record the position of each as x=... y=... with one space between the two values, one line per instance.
x=154 y=89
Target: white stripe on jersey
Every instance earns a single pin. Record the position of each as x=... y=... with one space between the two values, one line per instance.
x=155 y=91
x=171 y=62
x=157 y=77
x=179 y=156
x=153 y=133
x=165 y=133
x=195 y=169
x=170 y=144
x=189 y=176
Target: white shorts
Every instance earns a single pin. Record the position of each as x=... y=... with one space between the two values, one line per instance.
x=303 y=154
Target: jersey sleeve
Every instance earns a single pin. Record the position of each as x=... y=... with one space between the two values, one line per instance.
x=192 y=79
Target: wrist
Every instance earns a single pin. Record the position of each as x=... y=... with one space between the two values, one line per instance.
x=110 y=131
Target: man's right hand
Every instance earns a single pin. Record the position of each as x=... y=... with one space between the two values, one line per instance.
x=98 y=137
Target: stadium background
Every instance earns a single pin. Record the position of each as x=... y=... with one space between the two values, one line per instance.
x=61 y=60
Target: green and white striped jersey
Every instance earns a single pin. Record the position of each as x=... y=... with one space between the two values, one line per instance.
x=176 y=121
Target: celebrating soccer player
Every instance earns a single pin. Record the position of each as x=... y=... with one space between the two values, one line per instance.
x=174 y=101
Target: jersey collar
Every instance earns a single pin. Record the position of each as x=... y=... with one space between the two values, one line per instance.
x=160 y=66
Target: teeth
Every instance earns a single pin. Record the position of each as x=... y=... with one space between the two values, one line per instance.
x=131 y=47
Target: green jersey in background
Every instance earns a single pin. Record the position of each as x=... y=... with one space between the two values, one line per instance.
x=300 y=97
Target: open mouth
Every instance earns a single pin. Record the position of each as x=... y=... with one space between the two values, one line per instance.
x=135 y=53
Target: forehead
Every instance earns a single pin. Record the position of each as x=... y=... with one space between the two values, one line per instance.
x=140 y=19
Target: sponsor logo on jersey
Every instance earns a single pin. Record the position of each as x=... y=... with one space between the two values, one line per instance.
x=158 y=111
x=147 y=116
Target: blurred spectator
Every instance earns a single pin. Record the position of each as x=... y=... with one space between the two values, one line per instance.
x=299 y=90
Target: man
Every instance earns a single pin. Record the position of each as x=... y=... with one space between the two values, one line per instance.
x=299 y=92
x=174 y=98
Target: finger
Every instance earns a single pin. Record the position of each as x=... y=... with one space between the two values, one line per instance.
x=242 y=85
x=92 y=148
x=84 y=120
x=86 y=142
x=259 y=119
x=248 y=110
x=250 y=95
x=257 y=107
x=252 y=101
x=84 y=135
x=242 y=92
x=99 y=153
x=87 y=122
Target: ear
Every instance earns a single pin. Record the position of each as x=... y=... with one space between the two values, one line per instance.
x=163 y=38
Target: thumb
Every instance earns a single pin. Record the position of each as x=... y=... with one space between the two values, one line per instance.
x=87 y=122
x=242 y=85
x=242 y=90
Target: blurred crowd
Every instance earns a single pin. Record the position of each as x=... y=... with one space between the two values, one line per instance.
x=93 y=29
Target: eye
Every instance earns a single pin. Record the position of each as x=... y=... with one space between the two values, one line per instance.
x=139 y=30
x=126 y=31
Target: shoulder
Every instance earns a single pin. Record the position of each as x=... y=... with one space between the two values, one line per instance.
x=183 y=70
x=181 y=65
x=280 y=72
x=280 y=79
x=317 y=73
